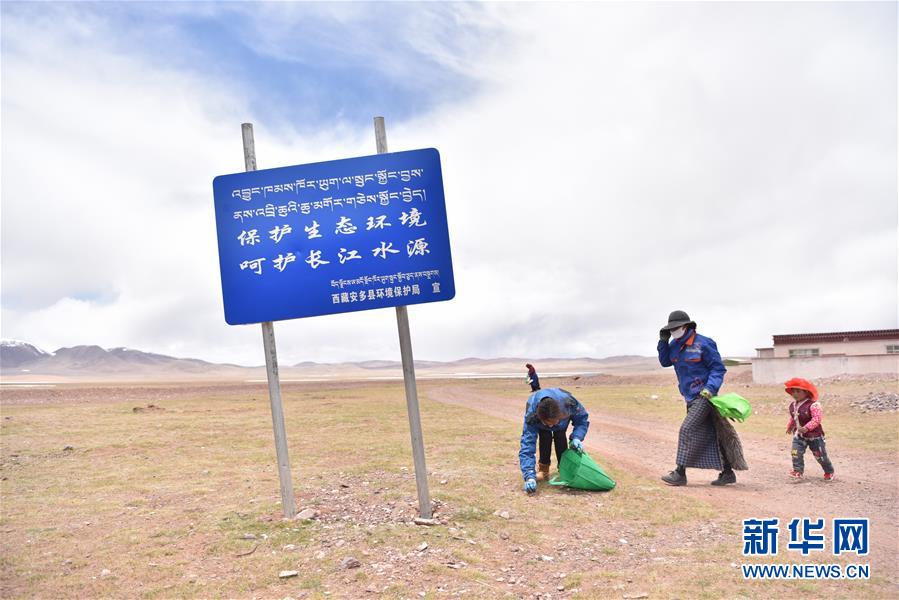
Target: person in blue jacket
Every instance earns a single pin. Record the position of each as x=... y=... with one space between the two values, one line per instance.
x=700 y=374
x=532 y=378
x=547 y=415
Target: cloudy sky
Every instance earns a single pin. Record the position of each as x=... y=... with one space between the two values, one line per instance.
x=603 y=165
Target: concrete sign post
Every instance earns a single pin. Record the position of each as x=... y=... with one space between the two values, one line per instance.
x=333 y=237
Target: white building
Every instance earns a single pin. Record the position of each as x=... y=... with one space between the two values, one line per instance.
x=815 y=355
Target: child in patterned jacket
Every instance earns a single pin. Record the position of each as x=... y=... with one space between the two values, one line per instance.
x=805 y=425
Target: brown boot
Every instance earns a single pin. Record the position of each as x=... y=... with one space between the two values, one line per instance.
x=542 y=472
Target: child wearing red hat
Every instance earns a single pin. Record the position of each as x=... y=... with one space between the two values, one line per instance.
x=805 y=425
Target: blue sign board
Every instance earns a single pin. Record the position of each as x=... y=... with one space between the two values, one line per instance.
x=333 y=237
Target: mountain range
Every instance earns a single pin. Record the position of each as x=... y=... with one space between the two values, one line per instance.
x=24 y=361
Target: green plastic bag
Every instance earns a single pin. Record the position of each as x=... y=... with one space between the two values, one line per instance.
x=578 y=470
x=732 y=406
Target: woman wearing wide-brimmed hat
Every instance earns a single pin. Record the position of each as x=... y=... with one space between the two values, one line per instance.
x=706 y=440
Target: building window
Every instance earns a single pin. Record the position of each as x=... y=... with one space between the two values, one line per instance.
x=802 y=352
x=892 y=348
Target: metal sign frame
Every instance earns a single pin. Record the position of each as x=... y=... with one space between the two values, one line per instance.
x=438 y=293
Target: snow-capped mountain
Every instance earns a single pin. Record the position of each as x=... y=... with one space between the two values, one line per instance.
x=14 y=353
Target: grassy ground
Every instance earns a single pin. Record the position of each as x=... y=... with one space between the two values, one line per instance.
x=183 y=502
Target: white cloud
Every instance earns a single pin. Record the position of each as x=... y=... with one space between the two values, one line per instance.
x=618 y=161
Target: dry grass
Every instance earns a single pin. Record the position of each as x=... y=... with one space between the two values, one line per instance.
x=162 y=499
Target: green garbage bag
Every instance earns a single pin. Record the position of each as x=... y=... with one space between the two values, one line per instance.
x=578 y=470
x=732 y=406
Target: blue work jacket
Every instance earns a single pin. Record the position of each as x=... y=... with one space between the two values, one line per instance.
x=534 y=381
x=573 y=412
x=697 y=363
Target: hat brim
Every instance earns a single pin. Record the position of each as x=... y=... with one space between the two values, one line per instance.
x=798 y=383
x=675 y=324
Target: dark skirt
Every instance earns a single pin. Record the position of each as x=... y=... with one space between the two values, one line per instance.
x=697 y=442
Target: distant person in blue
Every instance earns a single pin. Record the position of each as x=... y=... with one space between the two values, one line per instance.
x=532 y=378
x=547 y=415
x=705 y=440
